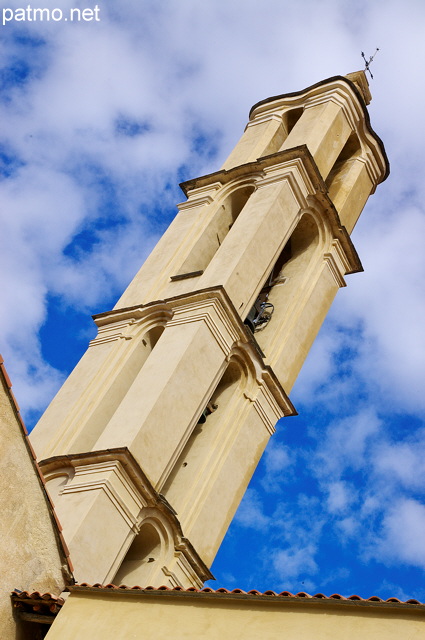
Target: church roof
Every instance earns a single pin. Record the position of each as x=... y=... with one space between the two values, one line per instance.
x=43 y=607
x=253 y=593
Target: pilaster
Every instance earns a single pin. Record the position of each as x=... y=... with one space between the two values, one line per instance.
x=103 y=503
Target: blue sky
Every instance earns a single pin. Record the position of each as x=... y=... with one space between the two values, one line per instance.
x=100 y=122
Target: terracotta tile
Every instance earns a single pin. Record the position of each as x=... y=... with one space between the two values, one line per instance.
x=302 y=595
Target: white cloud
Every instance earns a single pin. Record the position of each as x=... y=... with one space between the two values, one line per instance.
x=295 y=562
x=349 y=527
x=186 y=74
x=279 y=461
x=340 y=496
x=402 y=534
x=395 y=590
x=345 y=444
x=139 y=63
x=250 y=513
x=403 y=463
x=388 y=302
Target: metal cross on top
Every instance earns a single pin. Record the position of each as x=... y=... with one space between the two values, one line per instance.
x=369 y=62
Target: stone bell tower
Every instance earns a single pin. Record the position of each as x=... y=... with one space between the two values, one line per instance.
x=150 y=444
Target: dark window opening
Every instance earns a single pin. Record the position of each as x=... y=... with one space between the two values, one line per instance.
x=202 y=441
x=115 y=388
x=214 y=234
x=261 y=312
x=292 y=118
x=209 y=409
x=145 y=549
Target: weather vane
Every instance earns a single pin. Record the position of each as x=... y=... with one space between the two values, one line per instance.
x=369 y=62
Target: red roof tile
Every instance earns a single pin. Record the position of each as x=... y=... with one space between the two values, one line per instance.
x=253 y=592
x=42 y=603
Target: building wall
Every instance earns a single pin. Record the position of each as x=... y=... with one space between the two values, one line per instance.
x=29 y=554
x=210 y=616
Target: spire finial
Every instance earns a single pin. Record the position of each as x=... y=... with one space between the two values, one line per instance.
x=369 y=62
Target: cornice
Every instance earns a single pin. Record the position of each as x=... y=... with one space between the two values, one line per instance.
x=213 y=306
x=344 y=90
x=260 y=166
x=297 y=98
x=134 y=474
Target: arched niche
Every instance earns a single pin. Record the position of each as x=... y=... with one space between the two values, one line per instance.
x=288 y=120
x=291 y=118
x=143 y=558
x=56 y=481
x=288 y=279
x=301 y=246
x=202 y=449
x=215 y=232
x=349 y=153
x=115 y=386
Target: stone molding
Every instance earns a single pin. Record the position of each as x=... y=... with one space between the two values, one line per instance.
x=345 y=93
x=131 y=493
x=125 y=324
x=298 y=167
x=111 y=478
x=271 y=162
x=321 y=205
x=337 y=262
x=214 y=307
x=212 y=312
x=264 y=117
x=295 y=172
x=200 y=196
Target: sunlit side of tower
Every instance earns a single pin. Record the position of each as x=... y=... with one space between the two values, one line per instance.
x=150 y=444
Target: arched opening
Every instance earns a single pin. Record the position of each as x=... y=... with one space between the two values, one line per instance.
x=288 y=278
x=112 y=394
x=55 y=482
x=145 y=550
x=291 y=118
x=201 y=447
x=297 y=252
x=349 y=153
x=262 y=310
x=213 y=235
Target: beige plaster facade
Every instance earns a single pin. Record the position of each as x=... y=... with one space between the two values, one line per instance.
x=102 y=614
x=30 y=555
x=150 y=444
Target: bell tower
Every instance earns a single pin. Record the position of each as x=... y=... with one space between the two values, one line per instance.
x=150 y=444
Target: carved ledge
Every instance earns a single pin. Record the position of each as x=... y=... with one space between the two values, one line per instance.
x=124 y=482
